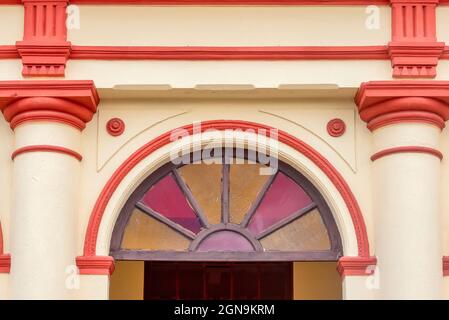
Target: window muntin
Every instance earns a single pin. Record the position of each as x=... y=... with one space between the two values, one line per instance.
x=229 y=208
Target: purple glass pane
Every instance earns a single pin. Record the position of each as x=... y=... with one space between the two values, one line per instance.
x=225 y=241
x=166 y=198
x=283 y=198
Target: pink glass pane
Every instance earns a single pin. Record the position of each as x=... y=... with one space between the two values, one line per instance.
x=283 y=198
x=225 y=241
x=166 y=198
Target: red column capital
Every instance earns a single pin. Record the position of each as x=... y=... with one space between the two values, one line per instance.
x=71 y=102
x=386 y=102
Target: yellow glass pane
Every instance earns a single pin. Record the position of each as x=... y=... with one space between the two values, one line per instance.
x=204 y=181
x=147 y=233
x=245 y=184
x=304 y=234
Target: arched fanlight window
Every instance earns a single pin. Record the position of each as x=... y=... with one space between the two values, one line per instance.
x=223 y=208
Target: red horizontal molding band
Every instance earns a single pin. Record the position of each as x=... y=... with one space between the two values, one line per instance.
x=445 y=54
x=229 y=53
x=407 y=149
x=9 y=52
x=47 y=115
x=406 y=116
x=218 y=53
x=221 y=2
x=47 y=148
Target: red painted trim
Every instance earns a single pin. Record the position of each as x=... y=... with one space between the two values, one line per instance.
x=5 y=259
x=379 y=98
x=406 y=116
x=25 y=100
x=5 y=263
x=336 y=127
x=9 y=52
x=115 y=127
x=44 y=49
x=219 y=53
x=445 y=54
x=414 y=49
x=96 y=265
x=407 y=149
x=47 y=148
x=229 y=53
x=319 y=160
x=53 y=116
x=446 y=266
x=231 y=2
x=356 y=266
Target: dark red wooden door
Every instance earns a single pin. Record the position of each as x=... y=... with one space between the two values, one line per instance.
x=221 y=281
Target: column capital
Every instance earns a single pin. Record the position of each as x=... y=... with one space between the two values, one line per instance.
x=95 y=265
x=386 y=102
x=70 y=102
x=356 y=266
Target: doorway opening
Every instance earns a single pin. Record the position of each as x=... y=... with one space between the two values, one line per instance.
x=305 y=280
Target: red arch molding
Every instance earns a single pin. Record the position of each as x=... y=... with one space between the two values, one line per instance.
x=164 y=139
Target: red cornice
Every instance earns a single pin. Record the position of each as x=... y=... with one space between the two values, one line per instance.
x=90 y=242
x=46 y=148
x=356 y=266
x=229 y=53
x=38 y=100
x=380 y=98
x=218 y=53
x=95 y=265
x=232 y=2
x=407 y=149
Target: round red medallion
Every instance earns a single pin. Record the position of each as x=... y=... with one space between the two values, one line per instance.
x=115 y=126
x=336 y=127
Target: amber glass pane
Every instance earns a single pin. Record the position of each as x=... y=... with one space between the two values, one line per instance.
x=283 y=198
x=245 y=184
x=166 y=198
x=145 y=232
x=306 y=233
x=204 y=181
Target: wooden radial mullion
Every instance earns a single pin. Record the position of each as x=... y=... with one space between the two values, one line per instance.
x=258 y=200
x=196 y=207
x=185 y=232
x=278 y=225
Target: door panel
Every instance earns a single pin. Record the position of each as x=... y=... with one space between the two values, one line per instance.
x=218 y=281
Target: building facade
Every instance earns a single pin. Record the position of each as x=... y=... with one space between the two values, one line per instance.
x=200 y=149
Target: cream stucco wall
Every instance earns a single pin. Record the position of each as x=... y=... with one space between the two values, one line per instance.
x=11 y=20
x=229 y=26
x=442 y=23
x=153 y=97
